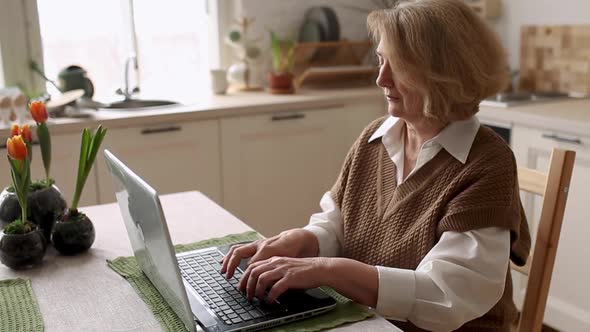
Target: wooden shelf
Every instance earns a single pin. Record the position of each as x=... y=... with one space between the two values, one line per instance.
x=338 y=61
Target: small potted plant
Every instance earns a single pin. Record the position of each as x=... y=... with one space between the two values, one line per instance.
x=45 y=201
x=73 y=232
x=22 y=243
x=280 y=80
x=9 y=207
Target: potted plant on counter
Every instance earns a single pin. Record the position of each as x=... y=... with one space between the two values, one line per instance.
x=280 y=80
x=73 y=232
x=45 y=201
x=22 y=243
x=10 y=209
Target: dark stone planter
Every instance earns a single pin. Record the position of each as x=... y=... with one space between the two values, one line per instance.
x=21 y=251
x=72 y=237
x=9 y=207
x=43 y=205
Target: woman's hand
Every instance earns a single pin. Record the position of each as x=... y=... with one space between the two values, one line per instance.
x=292 y=243
x=278 y=274
x=355 y=280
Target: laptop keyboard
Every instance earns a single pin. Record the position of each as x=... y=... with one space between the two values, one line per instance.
x=201 y=271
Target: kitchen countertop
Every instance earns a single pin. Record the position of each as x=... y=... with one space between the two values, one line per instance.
x=570 y=116
x=567 y=116
x=214 y=107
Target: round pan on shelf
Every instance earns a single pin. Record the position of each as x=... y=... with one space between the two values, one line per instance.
x=327 y=18
x=310 y=32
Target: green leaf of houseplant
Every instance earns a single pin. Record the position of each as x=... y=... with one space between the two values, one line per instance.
x=21 y=177
x=45 y=142
x=15 y=175
x=81 y=167
x=94 y=146
x=275 y=45
x=88 y=152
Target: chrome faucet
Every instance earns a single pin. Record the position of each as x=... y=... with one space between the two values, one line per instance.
x=126 y=90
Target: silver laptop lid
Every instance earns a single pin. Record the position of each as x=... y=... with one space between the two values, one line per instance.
x=149 y=236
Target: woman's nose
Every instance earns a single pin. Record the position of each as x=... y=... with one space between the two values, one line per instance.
x=385 y=79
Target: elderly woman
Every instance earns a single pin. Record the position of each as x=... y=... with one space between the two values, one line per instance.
x=425 y=215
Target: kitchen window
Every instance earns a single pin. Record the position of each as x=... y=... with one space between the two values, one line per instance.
x=177 y=44
x=96 y=35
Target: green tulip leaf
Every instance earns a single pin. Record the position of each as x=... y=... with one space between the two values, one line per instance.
x=45 y=142
x=88 y=151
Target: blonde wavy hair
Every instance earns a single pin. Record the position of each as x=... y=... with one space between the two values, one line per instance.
x=443 y=49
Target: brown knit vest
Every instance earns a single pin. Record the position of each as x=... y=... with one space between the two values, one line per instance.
x=396 y=226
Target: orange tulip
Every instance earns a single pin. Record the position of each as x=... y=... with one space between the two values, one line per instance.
x=17 y=149
x=14 y=130
x=26 y=133
x=38 y=111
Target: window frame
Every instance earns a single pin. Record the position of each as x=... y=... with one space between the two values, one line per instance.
x=20 y=40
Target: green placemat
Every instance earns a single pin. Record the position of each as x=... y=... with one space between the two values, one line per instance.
x=346 y=311
x=19 y=311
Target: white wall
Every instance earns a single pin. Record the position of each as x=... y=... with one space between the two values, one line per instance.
x=285 y=16
x=2 y=84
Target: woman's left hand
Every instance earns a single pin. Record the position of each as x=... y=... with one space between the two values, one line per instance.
x=282 y=273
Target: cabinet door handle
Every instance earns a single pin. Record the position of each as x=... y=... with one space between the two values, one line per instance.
x=291 y=116
x=3 y=146
x=558 y=138
x=149 y=131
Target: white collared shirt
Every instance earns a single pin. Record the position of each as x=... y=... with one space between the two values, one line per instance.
x=439 y=295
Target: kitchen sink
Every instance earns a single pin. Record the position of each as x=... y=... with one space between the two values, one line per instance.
x=139 y=103
x=124 y=105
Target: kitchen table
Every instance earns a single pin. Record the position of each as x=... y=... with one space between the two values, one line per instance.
x=82 y=293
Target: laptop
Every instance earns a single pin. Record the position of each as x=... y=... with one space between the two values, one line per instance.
x=191 y=282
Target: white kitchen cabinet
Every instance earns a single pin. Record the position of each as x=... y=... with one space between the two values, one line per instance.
x=276 y=167
x=170 y=157
x=64 y=168
x=568 y=306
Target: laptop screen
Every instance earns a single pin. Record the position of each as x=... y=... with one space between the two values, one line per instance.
x=148 y=233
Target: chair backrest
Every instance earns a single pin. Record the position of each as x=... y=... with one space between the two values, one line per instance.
x=553 y=186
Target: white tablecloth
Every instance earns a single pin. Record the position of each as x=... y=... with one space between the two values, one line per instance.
x=82 y=293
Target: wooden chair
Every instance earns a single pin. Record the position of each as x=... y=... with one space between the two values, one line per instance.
x=553 y=186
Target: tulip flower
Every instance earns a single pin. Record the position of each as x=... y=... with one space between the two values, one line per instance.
x=38 y=111
x=14 y=130
x=16 y=147
x=20 y=165
x=26 y=133
x=39 y=114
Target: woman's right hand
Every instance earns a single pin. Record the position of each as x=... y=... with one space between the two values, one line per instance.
x=292 y=243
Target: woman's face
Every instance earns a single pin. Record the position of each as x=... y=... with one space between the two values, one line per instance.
x=403 y=102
